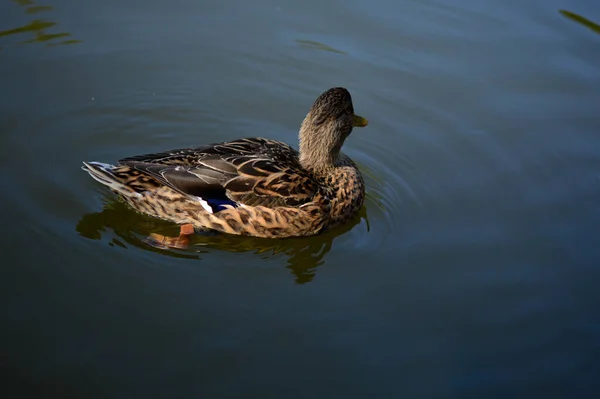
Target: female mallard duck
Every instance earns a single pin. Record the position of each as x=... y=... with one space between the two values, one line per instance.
x=251 y=186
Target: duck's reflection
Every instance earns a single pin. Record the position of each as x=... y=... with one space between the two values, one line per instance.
x=38 y=27
x=304 y=254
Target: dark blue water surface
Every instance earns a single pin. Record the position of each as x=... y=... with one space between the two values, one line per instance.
x=473 y=271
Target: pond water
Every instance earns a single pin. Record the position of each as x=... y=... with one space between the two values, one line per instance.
x=472 y=271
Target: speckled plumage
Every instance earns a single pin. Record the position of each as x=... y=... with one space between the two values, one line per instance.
x=251 y=186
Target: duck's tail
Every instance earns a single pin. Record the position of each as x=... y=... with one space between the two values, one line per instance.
x=103 y=173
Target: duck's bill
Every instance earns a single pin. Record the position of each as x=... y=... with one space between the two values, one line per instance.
x=359 y=121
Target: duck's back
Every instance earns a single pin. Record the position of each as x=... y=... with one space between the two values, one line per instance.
x=249 y=171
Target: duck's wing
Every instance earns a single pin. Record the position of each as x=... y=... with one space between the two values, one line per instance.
x=247 y=171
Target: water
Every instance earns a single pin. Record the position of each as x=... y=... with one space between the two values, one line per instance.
x=472 y=272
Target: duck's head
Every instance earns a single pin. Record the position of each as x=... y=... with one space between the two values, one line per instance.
x=326 y=126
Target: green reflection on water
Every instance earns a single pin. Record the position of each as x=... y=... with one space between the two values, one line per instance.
x=318 y=46
x=38 y=26
x=582 y=20
x=131 y=228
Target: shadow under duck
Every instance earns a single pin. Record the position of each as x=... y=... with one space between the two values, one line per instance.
x=250 y=186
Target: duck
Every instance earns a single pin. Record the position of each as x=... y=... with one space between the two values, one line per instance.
x=249 y=186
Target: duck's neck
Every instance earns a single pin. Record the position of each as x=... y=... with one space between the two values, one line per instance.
x=318 y=151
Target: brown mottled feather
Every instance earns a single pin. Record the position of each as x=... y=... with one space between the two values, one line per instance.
x=278 y=192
